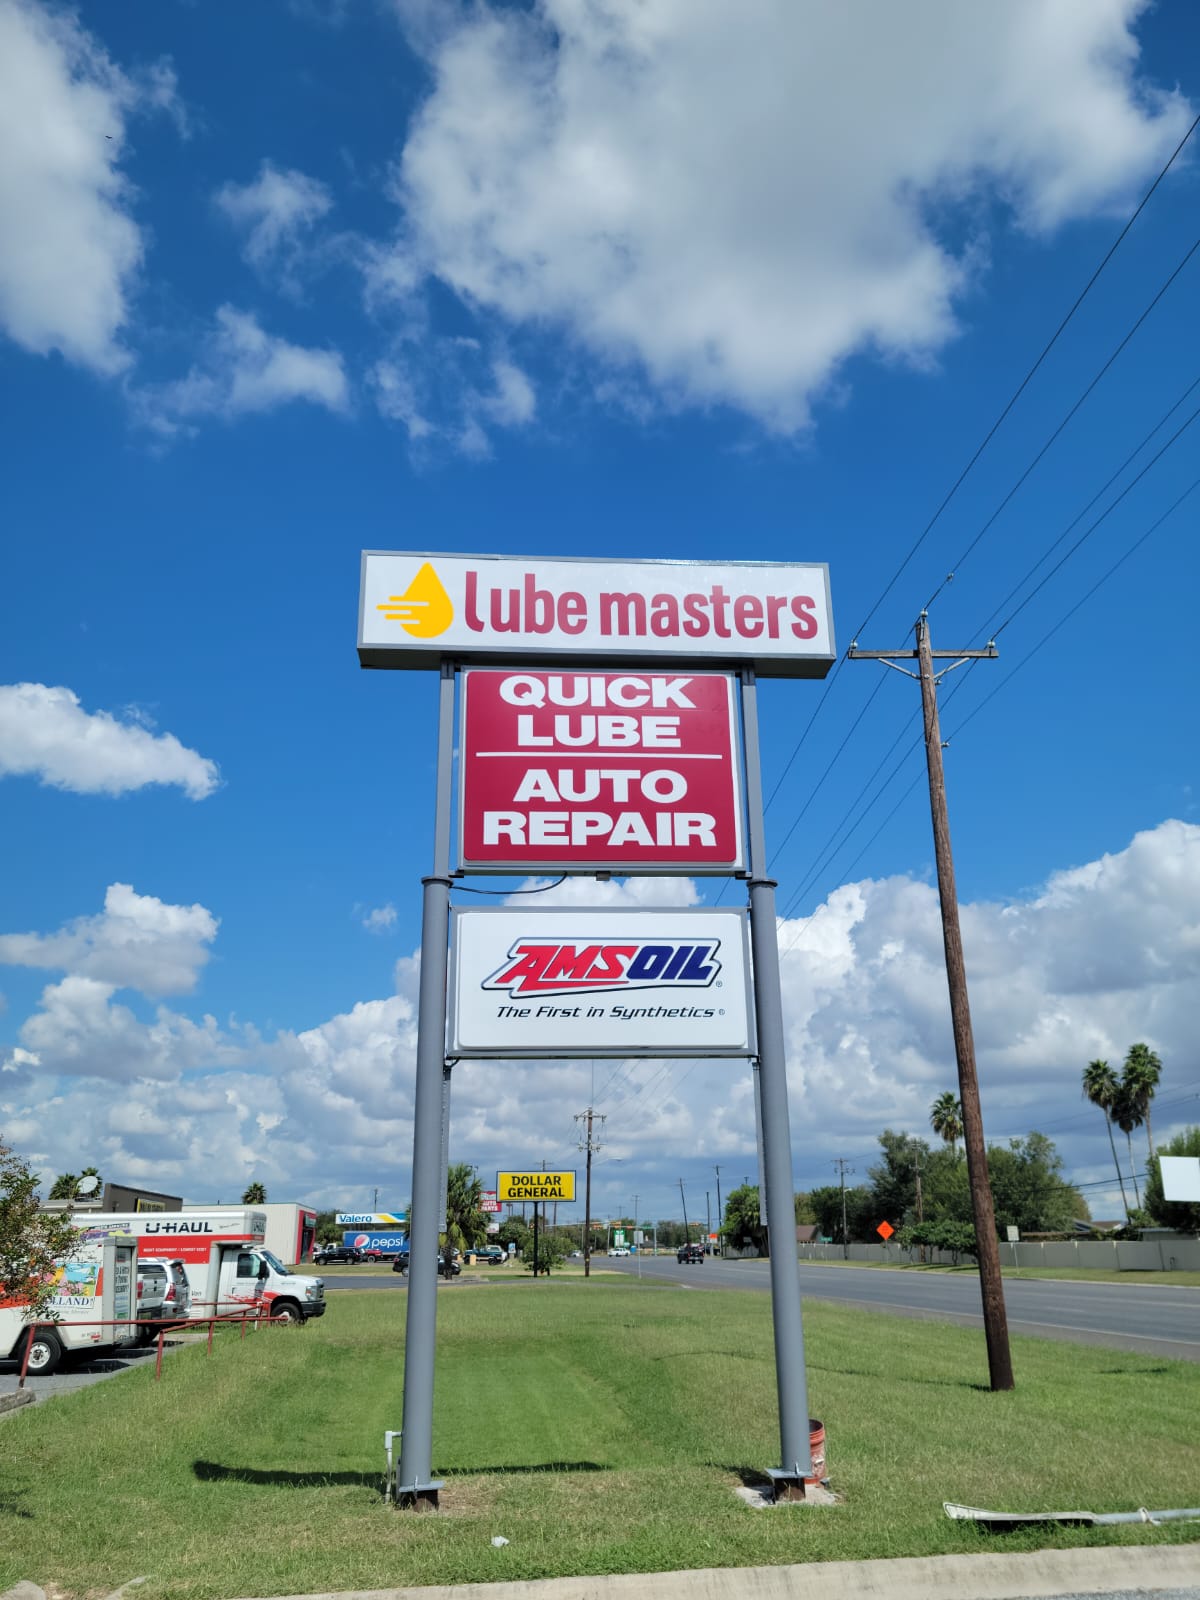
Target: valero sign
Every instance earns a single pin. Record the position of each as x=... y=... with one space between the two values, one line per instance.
x=516 y=1186
x=633 y=771
x=583 y=983
x=417 y=608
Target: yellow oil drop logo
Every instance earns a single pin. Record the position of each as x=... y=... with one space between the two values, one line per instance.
x=424 y=609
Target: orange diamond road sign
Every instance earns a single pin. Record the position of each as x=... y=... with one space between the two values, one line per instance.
x=885 y=1231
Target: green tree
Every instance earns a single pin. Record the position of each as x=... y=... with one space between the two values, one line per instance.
x=1139 y=1080
x=515 y=1230
x=63 y=1187
x=254 y=1195
x=328 y=1231
x=1183 y=1215
x=894 y=1179
x=1028 y=1189
x=826 y=1203
x=743 y=1226
x=945 y=1118
x=31 y=1240
x=1102 y=1087
x=466 y=1223
x=553 y=1249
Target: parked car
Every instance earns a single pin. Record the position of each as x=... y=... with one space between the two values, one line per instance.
x=152 y=1280
x=690 y=1253
x=163 y=1293
x=324 y=1254
x=451 y=1269
x=488 y=1254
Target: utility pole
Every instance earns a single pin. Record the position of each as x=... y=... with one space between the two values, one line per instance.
x=995 y=1319
x=637 y=1249
x=920 y=1200
x=590 y=1146
x=720 y=1212
x=375 y=1202
x=683 y=1201
x=708 y=1217
x=844 y=1167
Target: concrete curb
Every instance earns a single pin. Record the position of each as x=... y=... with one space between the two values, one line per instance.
x=11 y=1401
x=1107 y=1570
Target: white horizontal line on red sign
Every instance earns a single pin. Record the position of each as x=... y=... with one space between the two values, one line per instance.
x=658 y=756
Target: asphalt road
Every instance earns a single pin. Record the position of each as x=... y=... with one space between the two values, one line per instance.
x=1153 y=1318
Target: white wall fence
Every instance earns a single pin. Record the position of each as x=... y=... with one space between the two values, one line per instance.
x=1120 y=1255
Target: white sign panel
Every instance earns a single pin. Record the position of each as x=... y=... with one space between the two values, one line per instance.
x=599 y=983
x=417 y=608
x=1180 y=1177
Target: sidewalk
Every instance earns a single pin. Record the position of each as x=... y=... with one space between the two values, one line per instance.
x=1114 y=1569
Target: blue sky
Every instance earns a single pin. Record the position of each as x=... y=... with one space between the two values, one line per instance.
x=555 y=279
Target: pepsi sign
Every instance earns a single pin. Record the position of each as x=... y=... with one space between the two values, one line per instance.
x=602 y=982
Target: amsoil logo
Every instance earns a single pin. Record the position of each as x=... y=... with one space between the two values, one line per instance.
x=424 y=609
x=536 y=967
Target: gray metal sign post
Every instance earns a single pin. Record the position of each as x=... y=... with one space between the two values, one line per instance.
x=790 y=1377
x=415 y=1483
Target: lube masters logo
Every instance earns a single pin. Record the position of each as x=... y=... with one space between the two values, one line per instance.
x=536 y=967
x=424 y=609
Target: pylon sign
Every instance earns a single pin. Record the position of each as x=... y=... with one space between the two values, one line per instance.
x=579 y=771
x=417 y=608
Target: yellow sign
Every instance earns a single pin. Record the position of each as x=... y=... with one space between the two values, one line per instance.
x=424 y=609
x=511 y=1186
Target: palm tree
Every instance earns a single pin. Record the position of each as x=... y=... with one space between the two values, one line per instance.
x=1101 y=1087
x=466 y=1223
x=1127 y=1115
x=255 y=1195
x=1139 y=1081
x=946 y=1119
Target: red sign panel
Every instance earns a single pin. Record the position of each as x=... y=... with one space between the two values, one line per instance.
x=577 y=771
x=489 y=1203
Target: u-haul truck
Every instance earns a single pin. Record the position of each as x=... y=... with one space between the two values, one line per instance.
x=93 y=1307
x=228 y=1266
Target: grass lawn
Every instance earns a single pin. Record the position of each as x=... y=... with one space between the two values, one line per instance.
x=599 y=1427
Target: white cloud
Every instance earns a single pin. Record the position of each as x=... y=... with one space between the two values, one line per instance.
x=733 y=206
x=69 y=248
x=380 y=919
x=276 y=214
x=245 y=369
x=1105 y=954
x=79 y=1031
x=136 y=942
x=45 y=732
x=454 y=398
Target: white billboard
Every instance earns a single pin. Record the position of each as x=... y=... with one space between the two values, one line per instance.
x=417 y=608
x=606 y=982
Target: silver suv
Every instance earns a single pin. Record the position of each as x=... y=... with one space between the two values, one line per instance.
x=164 y=1296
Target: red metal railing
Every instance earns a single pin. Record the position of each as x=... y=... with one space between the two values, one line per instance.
x=255 y=1317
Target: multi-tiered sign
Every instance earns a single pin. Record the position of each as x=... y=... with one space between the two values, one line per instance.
x=608 y=725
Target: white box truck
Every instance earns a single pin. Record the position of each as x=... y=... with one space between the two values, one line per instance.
x=228 y=1266
x=94 y=1306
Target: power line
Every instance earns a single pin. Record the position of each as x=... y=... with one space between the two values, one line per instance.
x=1066 y=419
x=992 y=431
x=1063 y=620
x=1024 y=383
x=824 y=856
x=986 y=627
